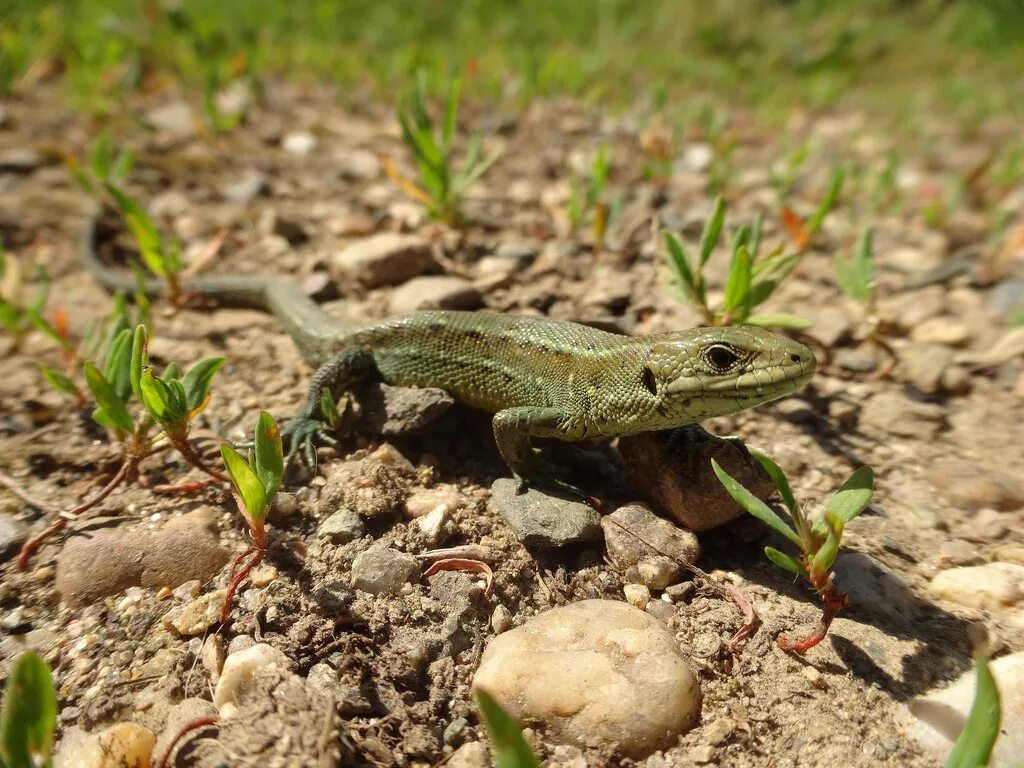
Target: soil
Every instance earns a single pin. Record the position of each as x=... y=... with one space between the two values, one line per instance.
x=387 y=677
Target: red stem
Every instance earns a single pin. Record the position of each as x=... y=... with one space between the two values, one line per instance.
x=238 y=576
x=193 y=458
x=191 y=725
x=834 y=602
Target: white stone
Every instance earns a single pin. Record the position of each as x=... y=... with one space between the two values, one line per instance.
x=992 y=587
x=637 y=595
x=299 y=143
x=936 y=719
x=594 y=673
x=238 y=672
x=124 y=744
x=941 y=330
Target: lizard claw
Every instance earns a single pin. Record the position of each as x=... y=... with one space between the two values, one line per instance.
x=302 y=435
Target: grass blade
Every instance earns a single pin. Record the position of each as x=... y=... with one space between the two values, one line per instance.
x=110 y=404
x=29 y=715
x=507 y=742
x=712 y=230
x=779 y=320
x=784 y=561
x=973 y=748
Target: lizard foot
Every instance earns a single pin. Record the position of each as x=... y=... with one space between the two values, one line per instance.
x=549 y=477
x=302 y=435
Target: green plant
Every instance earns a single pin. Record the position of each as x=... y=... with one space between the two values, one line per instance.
x=168 y=403
x=818 y=540
x=20 y=312
x=507 y=743
x=802 y=232
x=752 y=277
x=783 y=179
x=161 y=255
x=587 y=197
x=255 y=483
x=219 y=121
x=105 y=166
x=28 y=718
x=442 y=188
x=856 y=274
x=973 y=748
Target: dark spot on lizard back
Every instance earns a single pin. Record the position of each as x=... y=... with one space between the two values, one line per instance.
x=473 y=333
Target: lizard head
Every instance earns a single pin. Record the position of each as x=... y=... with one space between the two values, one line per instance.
x=716 y=371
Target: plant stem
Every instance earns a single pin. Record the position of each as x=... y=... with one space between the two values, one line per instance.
x=835 y=601
x=238 y=575
x=188 y=452
x=191 y=725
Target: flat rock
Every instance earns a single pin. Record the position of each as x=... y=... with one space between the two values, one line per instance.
x=342 y=527
x=898 y=415
x=992 y=587
x=647 y=549
x=105 y=561
x=384 y=259
x=120 y=745
x=974 y=487
x=391 y=411
x=543 y=521
x=434 y=292
x=240 y=669
x=595 y=673
x=13 y=533
x=936 y=719
x=924 y=365
x=672 y=469
x=941 y=330
x=383 y=571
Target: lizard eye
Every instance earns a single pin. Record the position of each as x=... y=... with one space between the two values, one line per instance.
x=721 y=357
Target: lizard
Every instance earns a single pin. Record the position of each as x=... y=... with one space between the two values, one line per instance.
x=540 y=377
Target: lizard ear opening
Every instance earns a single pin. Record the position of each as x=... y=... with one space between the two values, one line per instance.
x=649 y=381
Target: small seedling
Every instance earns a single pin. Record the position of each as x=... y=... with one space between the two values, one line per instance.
x=587 y=197
x=161 y=255
x=254 y=483
x=752 y=277
x=507 y=743
x=784 y=178
x=802 y=232
x=818 y=541
x=973 y=748
x=169 y=402
x=106 y=166
x=441 y=189
x=856 y=278
x=28 y=717
x=20 y=311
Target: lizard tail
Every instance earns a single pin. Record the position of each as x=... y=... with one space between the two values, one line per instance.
x=314 y=332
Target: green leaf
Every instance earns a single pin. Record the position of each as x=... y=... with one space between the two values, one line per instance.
x=113 y=407
x=784 y=561
x=58 y=380
x=123 y=165
x=828 y=202
x=853 y=496
x=118 y=367
x=44 y=327
x=856 y=275
x=779 y=478
x=507 y=743
x=248 y=485
x=143 y=230
x=469 y=176
x=197 y=381
x=29 y=715
x=139 y=360
x=680 y=264
x=712 y=230
x=269 y=456
x=829 y=549
x=451 y=111
x=9 y=317
x=755 y=237
x=973 y=749
x=737 y=288
x=102 y=156
x=157 y=398
x=754 y=505
x=779 y=320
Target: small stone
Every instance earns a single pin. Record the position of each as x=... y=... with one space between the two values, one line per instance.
x=196 y=617
x=832 y=327
x=273 y=223
x=367 y=487
x=475 y=754
x=973 y=486
x=243 y=190
x=434 y=292
x=941 y=330
x=263 y=576
x=543 y=521
x=240 y=643
x=1008 y=347
x=895 y=414
x=299 y=143
x=991 y=587
x=342 y=527
x=121 y=745
x=175 y=119
x=501 y=619
x=432 y=524
x=360 y=164
x=936 y=719
x=673 y=468
x=13 y=534
x=422 y=501
x=697 y=157
x=855 y=360
x=392 y=411
x=1007 y=297
x=795 y=409
x=239 y=669
x=637 y=595
x=384 y=259
x=383 y=571
x=20 y=160
x=720 y=730
x=815 y=678
x=285 y=505
x=924 y=365
x=583 y=671
x=681 y=593
x=702 y=755
x=182 y=713
x=213 y=656
x=647 y=548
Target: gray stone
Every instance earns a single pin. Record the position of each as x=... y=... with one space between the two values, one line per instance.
x=543 y=521
x=342 y=527
x=646 y=548
x=20 y=159
x=301 y=143
x=384 y=259
x=941 y=330
x=855 y=360
x=924 y=365
x=434 y=292
x=393 y=411
x=893 y=413
x=175 y=118
x=1007 y=297
x=13 y=533
x=974 y=487
x=246 y=188
x=383 y=571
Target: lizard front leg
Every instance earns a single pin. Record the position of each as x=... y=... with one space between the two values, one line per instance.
x=513 y=428
x=339 y=374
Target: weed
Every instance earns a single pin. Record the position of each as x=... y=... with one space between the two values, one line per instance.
x=442 y=188
x=973 y=748
x=507 y=742
x=752 y=277
x=255 y=483
x=782 y=180
x=818 y=541
x=22 y=306
x=587 y=197
x=28 y=718
x=802 y=232
x=106 y=166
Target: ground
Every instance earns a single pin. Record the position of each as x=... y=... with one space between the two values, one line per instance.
x=298 y=181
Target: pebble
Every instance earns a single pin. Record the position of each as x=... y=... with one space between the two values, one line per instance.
x=1008 y=347
x=263 y=576
x=475 y=754
x=300 y=143
x=196 y=617
x=357 y=163
x=924 y=365
x=13 y=533
x=422 y=501
x=594 y=673
x=342 y=526
x=646 y=548
x=392 y=411
x=1007 y=297
x=673 y=469
x=238 y=672
x=501 y=619
x=213 y=655
x=974 y=487
x=637 y=595
x=20 y=159
x=433 y=523
x=174 y=118
x=991 y=587
x=832 y=327
x=936 y=719
x=719 y=730
x=702 y=755
x=243 y=190
x=367 y=487
x=383 y=571
x=896 y=414
x=434 y=292
x=543 y=521
x=941 y=330
x=105 y=561
x=383 y=259
x=124 y=744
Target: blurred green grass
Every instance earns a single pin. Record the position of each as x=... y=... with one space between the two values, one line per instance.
x=772 y=55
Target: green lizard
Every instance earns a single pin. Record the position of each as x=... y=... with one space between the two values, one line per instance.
x=541 y=378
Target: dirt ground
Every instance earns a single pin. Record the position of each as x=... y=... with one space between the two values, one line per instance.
x=384 y=680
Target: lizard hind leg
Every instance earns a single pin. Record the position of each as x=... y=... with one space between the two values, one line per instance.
x=339 y=374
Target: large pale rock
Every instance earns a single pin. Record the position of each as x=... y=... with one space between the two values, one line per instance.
x=594 y=673
x=936 y=719
x=125 y=745
x=993 y=586
x=434 y=292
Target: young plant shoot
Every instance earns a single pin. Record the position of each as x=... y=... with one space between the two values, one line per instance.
x=28 y=718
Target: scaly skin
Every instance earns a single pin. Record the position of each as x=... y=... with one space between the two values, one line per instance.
x=541 y=378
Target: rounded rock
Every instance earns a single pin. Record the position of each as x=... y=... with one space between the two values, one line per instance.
x=594 y=673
